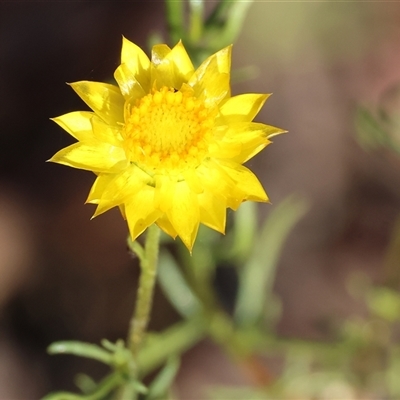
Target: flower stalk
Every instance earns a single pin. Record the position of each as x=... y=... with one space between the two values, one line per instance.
x=144 y=300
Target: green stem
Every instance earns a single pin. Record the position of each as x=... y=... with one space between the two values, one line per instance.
x=144 y=300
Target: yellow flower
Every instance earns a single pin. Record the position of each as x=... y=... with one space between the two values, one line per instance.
x=168 y=143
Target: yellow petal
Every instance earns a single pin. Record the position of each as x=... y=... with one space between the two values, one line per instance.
x=214 y=88
x=211 y=80
x=127 y=82
x=185 y=88
x=225 y=149
x=96 y=157
x=98 y=188
x=122 y=210
x=137 y=63
x=104 y=99
x=170 y=68
x=181 y=60
x=184 y=215
x=77 y=124
x=193 y=181
x=234 y=203
x=164 y=193
x=243 y=132
x=106 y=133
x=254 y=139
x=222 y=59
x=158 y=53
x=241 y=141
x=231 y=181
x=140 y=211
x=215 y=179
x=212 y=211
x=104 y=206
x=165 y=225
x=122 y=188
x=249 y=152
x=247 y=187
x=244 y=107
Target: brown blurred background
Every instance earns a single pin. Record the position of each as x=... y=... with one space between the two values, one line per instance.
x=66 y=277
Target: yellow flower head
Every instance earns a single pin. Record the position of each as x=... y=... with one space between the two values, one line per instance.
x=168 y=143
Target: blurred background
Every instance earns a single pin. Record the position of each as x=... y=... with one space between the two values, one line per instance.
x=66 y=277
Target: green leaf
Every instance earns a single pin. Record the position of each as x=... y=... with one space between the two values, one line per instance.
x=64 y=396
x=102 y=390
x=163 y=381
x=175 y=287
x=121 y=356
x=257 y=276
x=244 y=233
x=81 y=349
x=173 y=341
x=110 y=346
x=85 y=383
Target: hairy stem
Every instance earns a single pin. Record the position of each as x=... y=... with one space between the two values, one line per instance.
x=144 y=298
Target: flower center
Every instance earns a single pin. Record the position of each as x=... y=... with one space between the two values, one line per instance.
x=168 y=130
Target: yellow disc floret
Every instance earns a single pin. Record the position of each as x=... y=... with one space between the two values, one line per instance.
x=168 y=130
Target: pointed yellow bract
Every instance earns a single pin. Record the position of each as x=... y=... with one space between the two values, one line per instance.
x=168 y=143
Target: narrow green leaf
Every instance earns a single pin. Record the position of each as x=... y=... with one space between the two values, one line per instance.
x=163 y=381
x=64 y=396
x=175 y=287
x=258 y=275
x=85 y=383
x=173 y=341
x=102 y=390
x=81 y=349
x=140 y=387
x=110 y=346
x=244 y=232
